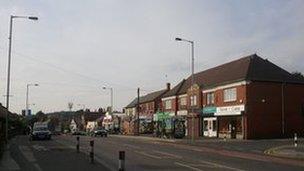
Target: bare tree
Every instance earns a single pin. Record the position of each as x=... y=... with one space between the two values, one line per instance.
x=70 y=105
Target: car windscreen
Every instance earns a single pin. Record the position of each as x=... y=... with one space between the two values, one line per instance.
x=40 y=129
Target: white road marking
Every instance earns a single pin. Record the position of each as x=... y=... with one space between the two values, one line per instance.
x=27 y=153
x=132 y=146
x=220 y=166
x=187 y=166
x=37 y=167
x=39 y=148
x=148 y=155
x=168 y=154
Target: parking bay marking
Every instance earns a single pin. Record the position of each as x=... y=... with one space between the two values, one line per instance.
x=220 y=165
x=187 y=166
x=168 y=154
x=148 y=155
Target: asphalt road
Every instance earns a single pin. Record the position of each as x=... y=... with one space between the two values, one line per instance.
x=48 y=155
x=146 y=154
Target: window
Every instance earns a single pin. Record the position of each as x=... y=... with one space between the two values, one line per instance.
x=210 y=98
x=205 y=125
x=193 y=100
x=183 y=101
x=168 y=104
x=230 y=95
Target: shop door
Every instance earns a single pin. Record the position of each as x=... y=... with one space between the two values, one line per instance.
x=210 y=127
x=233 y=129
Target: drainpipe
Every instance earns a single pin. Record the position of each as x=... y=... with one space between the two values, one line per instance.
x=283 y=108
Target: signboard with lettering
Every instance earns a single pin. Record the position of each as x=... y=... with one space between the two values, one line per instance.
x=208 y=110
x=229 y=110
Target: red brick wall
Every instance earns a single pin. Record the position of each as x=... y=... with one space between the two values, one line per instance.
x=294 y=116
x=147 y=109
x=265 y=118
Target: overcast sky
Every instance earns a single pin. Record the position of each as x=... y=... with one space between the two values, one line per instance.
x=78 y=46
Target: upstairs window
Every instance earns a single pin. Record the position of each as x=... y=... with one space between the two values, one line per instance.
x=183 y=101
x=230 y=95
x=210 y=98
x=168 y=104
x=193 y=100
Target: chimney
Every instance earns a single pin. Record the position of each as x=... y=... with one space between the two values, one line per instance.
x=168 y=86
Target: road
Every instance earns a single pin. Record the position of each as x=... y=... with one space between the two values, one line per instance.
x=142 y=154
x=49 y=155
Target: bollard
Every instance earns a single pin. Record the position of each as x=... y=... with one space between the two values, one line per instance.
x=92 y=151
x=121 y=162
x=295 y=140
x=77 y=145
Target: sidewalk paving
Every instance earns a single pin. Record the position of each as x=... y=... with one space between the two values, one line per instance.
x=7 y=162
x=287 y=152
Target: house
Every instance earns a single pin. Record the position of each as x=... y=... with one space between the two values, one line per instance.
x=248 y=98
x=148 y=105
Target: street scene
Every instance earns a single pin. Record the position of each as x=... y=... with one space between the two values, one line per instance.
x=151 y=85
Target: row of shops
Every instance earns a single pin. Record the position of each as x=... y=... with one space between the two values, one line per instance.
x=215 y=122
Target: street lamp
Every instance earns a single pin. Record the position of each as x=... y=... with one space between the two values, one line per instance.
x=111 y=90
x=9 y=68
x=192 y=78
x=27 y=98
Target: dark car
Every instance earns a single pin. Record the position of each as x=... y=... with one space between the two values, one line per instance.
x=79 y=133
x=40 y=133
x=100 y=132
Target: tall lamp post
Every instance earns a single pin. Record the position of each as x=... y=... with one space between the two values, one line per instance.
x=111 y=90
x=12 y=17
x=192 y=80
x=27 y=98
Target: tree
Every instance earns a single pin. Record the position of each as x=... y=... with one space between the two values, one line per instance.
x=70 y=105
x=41 y=117
x=298 y=75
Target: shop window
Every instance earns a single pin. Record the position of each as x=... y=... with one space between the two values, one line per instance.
x=168 y=104
x=193 y=100
x=230 y=95
x=214 y=125
x=205 y=125
x=210 y=98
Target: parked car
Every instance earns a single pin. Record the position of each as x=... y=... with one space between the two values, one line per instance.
x=100 y=132
x=79 y=133
x=40 y=133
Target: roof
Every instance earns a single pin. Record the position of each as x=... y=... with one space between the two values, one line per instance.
x=175 y=90
x=147 y=98
x=249 y=68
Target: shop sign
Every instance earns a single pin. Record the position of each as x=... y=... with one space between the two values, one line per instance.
x=209 y=110
x=182 y=112
x=229 y=110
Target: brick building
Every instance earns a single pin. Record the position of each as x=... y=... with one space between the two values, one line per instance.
x=246 y=98
x=148 y=105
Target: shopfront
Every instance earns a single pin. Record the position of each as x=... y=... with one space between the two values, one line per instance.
x=209 y=121
x=230 y=121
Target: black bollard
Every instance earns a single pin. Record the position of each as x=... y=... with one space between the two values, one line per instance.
x=77 y=145
x=92 y=151
x=121 y=162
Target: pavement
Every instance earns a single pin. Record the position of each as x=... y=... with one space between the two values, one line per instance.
x=22 y=154
x=287 y=151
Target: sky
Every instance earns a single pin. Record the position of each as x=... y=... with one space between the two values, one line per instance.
x=77 y=47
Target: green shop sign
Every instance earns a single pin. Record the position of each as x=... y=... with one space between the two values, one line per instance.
x=159 y=116
x=208 y=110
